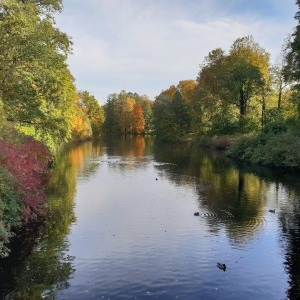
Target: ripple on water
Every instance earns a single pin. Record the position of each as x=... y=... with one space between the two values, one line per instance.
x=242 y=232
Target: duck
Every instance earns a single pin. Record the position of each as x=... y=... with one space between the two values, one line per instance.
x=221 y=266
x=196 y=214
x=272 y=211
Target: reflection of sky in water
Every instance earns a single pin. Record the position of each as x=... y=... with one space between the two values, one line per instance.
x=138 y=237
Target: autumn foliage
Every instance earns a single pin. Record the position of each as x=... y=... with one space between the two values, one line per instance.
x=24 y=173
x=128 y=113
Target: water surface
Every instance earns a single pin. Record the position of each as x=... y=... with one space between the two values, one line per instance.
x=121 y=225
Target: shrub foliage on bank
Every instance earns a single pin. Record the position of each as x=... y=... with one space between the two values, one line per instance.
x=23 y=175
x=275 y=146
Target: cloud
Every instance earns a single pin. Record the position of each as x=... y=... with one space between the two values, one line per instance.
x=146 y=46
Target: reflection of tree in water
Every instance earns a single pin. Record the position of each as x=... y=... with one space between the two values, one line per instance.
x=130 y=146
x=241 y=189
x=129 y=152
x=286 y=194
x=291 y=239
x=85 y=157
x=290 y=223
x=45 y=268
x=230 y=198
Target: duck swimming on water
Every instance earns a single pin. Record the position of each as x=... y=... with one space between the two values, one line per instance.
x=221 y=266
x=272 y=211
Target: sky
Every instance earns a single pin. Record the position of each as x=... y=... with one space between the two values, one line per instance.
x=145 y=46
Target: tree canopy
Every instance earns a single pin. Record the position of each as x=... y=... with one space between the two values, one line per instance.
x=127 y=113
x=37 y=88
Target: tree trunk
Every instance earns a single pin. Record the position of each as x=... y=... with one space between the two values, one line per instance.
x=263 y=109
x=279 y=97
x=242 y=103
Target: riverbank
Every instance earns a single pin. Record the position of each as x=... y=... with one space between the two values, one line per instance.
x=273 y=147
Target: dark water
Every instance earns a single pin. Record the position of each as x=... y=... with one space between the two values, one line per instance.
x=115 y=232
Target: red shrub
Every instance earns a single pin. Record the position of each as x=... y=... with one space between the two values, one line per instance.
x=28 y=164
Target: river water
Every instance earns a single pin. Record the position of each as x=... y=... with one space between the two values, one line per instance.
x=121 y=225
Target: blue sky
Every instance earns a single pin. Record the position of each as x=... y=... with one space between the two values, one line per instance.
x=145 y=46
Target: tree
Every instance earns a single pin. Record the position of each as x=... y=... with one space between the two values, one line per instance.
x=240 y=81
x=127 y=113
x=292 y=69
x=147 y=106
x=210 y=71
x=81 y=127
x=180 y=113
x=36 y=86
x=186 y=88
x=210 y=110
x=225 y=86
x=138 y=119
x=247 y=70
x=93 y=110
x=281 y=82
x=172 y=117
x=162 y=115
x=110 y=124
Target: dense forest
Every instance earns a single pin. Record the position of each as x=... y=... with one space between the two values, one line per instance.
x=238 y=101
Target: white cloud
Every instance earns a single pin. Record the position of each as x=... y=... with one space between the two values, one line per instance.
x=145 y=46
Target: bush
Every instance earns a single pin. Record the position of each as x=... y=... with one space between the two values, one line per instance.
x=273 y=148
x=223 y=142
x=276 y=128
x=10 y=207
x=23 y=175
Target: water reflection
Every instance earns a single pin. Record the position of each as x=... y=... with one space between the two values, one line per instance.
x=128 y=152
x=289 y=217
x=115 y=232
x=227 y=196
x=239 y=196
x=130 y=146
x=40 y=265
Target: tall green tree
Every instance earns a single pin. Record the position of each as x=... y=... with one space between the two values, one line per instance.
x=247 y=69
x=227 y=83
x=180 y=113
x=162 y=115
x=240 y=81
x=208 y=105
x=172 y=116
x=110 y=124
x=36 y=86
